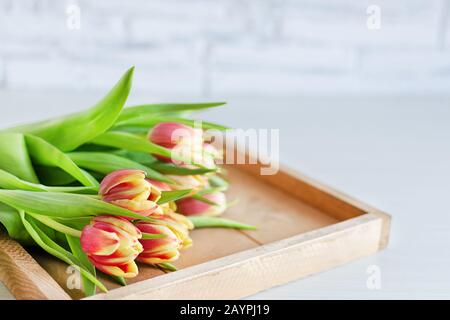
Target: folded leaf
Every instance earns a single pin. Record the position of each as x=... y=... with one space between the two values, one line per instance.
x=43 y=153
x=69 y=132
x=53 y=176
x=106 y=163
x=10 y=219
x=66 y=205
x=9 y=181
x=158 y=108
x=150 y=120
x=167 y=196
x=14 y=156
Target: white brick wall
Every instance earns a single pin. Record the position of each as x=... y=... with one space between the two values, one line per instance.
x=222 y=48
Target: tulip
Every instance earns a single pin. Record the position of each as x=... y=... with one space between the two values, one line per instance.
x=112 y=244
x=129 y=189
x=172 y=134
x=194 y=182
x=158 y=250
x=184 y=141
x=179 y=225
x=190 y=206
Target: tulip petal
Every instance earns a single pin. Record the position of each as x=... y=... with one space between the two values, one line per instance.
x=95 y=241
x=126 y=270
x=122 y=223
x=120 y=176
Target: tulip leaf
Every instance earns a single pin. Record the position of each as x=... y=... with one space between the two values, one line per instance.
x=69 y=132
x=46 y=243
x=9 y=181
x=53 y=176
x=167 y=196
x=43 y=153
x=158 y=108
x=66 y=205
x=106 y=163
x=10 y=219
x=215 y=222
x=149 y=120
x=141 y=157
x=218 y=182
x=203 y=199
x=119 y=280
x=149 y=236
x=129 y=141
x=133 y=142
x=167 y=266
x=14 y=156
x=77 y=251
x=169 y=168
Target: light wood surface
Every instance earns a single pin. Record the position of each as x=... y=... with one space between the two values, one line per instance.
x=23 y=276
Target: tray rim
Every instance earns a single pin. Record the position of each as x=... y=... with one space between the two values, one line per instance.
x=40 y=285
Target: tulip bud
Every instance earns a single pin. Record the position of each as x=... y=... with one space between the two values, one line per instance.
x=184 y=141
x=129 y=189
x=158 y=250
x=194 y=182
x=111 y=244
x=171 y=134
x=179 y=225
x=191 y=206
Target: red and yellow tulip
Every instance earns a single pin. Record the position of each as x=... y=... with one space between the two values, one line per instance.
x=112 y=244
x=129 y=189
x=191 y=206
x=159 y=250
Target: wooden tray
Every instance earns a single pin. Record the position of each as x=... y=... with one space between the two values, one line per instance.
x=304 y=228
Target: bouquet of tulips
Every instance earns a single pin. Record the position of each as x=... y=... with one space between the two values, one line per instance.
x=109 y=186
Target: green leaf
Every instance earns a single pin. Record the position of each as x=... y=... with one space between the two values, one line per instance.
x=158 y=108
x=167 y=196
x=69 y=132
x=66 y=205
x=56 y=250
x=203 y=199
x=169 y=168
x=119 y=280
x=149 y=236
x=150 y=120
x=141 y=157
x=167 y=266
x=132 y=142
x=53 y=176
x=215 y=222
x=43 y=153
x=77 y=251
x=14 y=156
x=218 y=182
x=9 y=181
x=106 y=163
x=10 y=219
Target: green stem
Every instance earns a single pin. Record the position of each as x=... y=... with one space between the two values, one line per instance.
x=167 y=266
x=215 y=222
x=149 y=236
x=56 y=225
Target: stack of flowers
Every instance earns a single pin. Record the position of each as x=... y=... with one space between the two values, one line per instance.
x=108 y=187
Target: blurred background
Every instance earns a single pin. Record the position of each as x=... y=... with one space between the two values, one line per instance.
x=359 y=90
x=223 y=48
